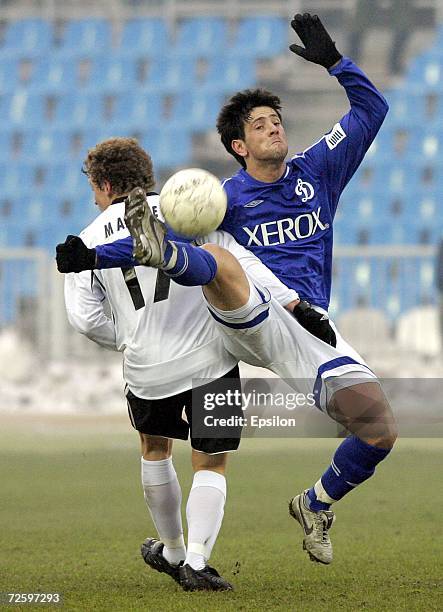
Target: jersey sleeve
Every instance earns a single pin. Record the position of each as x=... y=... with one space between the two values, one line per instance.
x=255 y=269
x=117 y=254
x=339 y=153
x=84 y=300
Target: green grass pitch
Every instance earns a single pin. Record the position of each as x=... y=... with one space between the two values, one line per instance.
x=72 y=519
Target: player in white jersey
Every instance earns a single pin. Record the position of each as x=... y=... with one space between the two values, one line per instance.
x=167 y=338
x=169 y=342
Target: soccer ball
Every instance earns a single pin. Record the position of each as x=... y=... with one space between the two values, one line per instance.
x=193 y=202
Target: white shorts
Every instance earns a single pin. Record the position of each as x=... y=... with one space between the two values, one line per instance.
x=263 y=333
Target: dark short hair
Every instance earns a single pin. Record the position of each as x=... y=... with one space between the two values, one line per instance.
x=236 y=112
x=122 y=162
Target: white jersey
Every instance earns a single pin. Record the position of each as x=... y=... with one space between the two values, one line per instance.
x=164 y=330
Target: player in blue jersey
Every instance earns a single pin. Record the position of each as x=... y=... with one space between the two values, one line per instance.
x=283 y=212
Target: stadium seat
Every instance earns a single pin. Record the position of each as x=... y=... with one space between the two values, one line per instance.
x=202 y=36
x=65 y=178
x=79 y=110
x=31 y=37
x=196 y=110
x=46 y=146
x=172 y=74
x=229 y=73
x=145 y=38
x=7 y=137
x=426 y=72
x=418 y=331
x=23 y=109
x=18 y=178
x=113 y=73
x=261 y=37
x=9 y=75
x=167 y=147
x=139 y=111
x=55 y=75
x=86 y=36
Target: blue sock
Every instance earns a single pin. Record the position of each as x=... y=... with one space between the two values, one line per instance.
x=353 y=463
x=193 y=266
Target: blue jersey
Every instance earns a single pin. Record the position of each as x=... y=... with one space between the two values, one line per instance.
x=288 y=224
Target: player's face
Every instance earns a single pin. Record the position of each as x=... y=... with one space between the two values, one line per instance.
x=102 y=197
x=265 y=138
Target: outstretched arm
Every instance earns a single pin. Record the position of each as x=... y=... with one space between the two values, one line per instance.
x=84 y=300
x=340 y=152
x=74 y=256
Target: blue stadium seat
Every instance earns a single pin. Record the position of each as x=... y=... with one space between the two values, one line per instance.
x=196 y=110
x=55 y=231
x=9 y=75
x=31 y=37
x=113 y=73
x=17 y=178
x=145 y=37
x=20 y=235
x=79 y=110
x=81 y=36
x=202 y=37
x=262 y=37
x=229 y=73
x=24 y=109
x=139 y=111
x=172 y=74
x=45 y=145
x=168 y=147
x=6 y=144
x=66 y=178
x=55 y=74
x=426 y=72
x=408 y=109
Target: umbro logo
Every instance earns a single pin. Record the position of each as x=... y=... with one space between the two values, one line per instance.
x=253 y=204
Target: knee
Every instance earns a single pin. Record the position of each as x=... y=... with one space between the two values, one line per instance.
x=383 y=433
x=389 y=431
x=214 y=463
x=155 y=448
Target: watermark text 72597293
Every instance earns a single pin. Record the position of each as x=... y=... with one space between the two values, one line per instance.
x=17 y=598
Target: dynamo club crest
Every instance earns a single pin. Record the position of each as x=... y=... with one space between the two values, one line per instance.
x=304 y=189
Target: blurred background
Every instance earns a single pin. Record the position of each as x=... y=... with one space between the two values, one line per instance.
x=73 y=73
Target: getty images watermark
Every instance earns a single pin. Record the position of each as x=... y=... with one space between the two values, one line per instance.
x=272 y=407
x=250 y=401
x=228 y=408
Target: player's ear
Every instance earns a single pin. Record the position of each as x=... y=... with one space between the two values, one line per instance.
x=239 y=147
x=107 y=188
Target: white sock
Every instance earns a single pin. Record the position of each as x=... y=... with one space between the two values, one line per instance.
x=204 y=511
x=163 y=497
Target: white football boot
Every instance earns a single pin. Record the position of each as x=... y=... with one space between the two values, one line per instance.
x=315 y=526
x=148 y=233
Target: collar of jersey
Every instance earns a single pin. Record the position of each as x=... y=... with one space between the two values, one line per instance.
x=251 y=179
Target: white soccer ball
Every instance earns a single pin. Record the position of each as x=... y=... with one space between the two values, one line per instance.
x=193 y=202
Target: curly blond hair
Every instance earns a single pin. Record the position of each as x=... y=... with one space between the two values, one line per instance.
x=122 y=162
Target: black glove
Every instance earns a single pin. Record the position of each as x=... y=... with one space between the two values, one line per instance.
x=74 y=256
x=315 y=322
x=319 y=47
